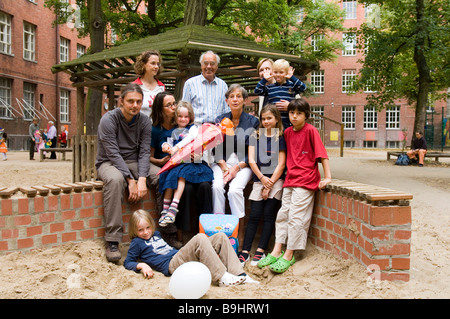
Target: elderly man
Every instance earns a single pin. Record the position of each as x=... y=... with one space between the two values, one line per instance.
x=206 y=92
x=52 y=136
x=122 y=162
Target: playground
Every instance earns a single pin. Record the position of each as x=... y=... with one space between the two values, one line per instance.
x=48 y=273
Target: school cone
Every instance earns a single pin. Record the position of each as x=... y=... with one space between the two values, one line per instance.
x=209 y=136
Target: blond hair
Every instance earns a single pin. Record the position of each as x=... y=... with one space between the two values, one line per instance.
x=188 y=106
x=136 y=217
x=281 y=64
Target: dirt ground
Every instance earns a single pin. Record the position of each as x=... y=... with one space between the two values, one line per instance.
x=48 y=273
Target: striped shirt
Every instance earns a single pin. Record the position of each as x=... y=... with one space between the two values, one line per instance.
x=207 y=99
x=275 y=92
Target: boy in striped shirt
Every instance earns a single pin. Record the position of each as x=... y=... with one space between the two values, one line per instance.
x=285 y=88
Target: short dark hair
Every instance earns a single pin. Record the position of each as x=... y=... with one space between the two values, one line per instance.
x=299 y=105
x=130 y=87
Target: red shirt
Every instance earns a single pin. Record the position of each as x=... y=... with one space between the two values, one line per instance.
x=304 y=151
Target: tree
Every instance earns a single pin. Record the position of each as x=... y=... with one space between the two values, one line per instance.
x=407 y=54
x=272 y=22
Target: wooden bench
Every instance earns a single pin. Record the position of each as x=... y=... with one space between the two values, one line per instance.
x=62 y=150
x=436 y=155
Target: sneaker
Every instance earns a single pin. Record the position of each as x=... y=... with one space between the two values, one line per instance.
x=243 y=258
x=231 y=280
x=112 y=251
x=257 y=258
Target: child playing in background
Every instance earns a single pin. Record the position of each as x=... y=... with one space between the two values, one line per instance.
x=3 y=147
x=153 y=252
x=304 y=151
x=267 y=159
x=39 y=141
x=172 y=182
x=285 y=88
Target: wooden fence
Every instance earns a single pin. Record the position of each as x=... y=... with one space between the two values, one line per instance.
x=84 y=153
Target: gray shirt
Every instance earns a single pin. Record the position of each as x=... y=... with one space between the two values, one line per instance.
x=119 y=141
x=33 y=128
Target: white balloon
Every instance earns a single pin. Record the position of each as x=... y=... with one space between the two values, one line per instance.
x=190 y=281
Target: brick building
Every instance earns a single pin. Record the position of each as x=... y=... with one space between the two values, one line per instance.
x=29 y=46
x=365 y=127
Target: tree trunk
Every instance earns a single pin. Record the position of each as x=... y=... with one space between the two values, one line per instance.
x=97 y=37
x=422 y=66
x=195 y=12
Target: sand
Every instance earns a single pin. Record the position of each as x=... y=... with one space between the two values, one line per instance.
x=79 y=270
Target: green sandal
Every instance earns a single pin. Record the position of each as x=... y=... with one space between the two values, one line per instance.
x=268 y=260
x=281 y=265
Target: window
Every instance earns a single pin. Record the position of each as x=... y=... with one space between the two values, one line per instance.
x=393 y=117
x=315 y=41
x=370 y=117
x=350 y=8
x=64 y=45
x=64 y=106
x=81 y=50
x=348 y=117
x=5 y=33
x=5 y=97
x=29 y=41
x=349 y=41
x=349 y=144
x=318 y=81
x=348 y=77
x=392 y=144
x=370 y=144
x=317 y=120
x=29 y=93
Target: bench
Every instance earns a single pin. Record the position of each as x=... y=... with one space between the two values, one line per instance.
x=436 y=155
x=62 y=150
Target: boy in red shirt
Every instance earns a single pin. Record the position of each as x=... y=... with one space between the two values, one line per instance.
x=304 y=152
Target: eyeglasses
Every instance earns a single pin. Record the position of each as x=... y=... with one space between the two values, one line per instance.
x=172 y=104
x=209 y=63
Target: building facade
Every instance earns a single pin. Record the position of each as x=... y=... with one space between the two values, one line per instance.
x=364 y=127
x=30 y=44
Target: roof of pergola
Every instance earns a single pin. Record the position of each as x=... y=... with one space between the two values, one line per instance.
x=180 y=49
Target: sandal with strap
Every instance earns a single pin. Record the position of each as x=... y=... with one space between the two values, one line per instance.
x=166 y=220
x=281 y=265
x=268 y=260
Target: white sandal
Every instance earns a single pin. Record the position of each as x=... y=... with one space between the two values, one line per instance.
x=230 y=280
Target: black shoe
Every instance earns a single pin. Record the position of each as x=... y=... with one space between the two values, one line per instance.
x=112 y=251
x=420 y=165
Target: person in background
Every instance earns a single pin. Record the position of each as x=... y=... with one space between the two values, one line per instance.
x=62 y=138
x=34 y=126
x=418 y=148
x=52 y=136
x=3 y=146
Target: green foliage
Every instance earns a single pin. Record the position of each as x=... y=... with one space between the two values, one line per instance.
x=272 y=22
x=389 y=65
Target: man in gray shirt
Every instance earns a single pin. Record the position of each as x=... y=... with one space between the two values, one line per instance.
x=123 y=160
x=31 y=129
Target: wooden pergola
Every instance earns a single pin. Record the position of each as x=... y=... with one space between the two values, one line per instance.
x=180 y=49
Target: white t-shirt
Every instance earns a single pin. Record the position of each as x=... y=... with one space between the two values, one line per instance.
x=149 y=95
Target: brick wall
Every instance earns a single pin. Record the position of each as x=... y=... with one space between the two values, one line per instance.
x=369 y=224
x=63 y=215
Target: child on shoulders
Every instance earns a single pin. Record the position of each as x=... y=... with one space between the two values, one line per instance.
x=284 y=90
